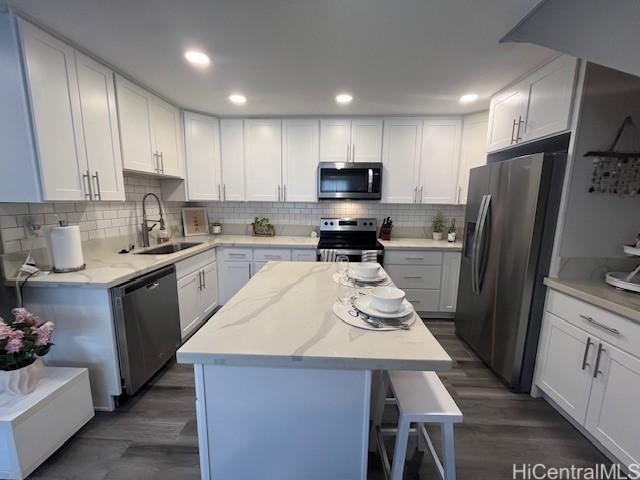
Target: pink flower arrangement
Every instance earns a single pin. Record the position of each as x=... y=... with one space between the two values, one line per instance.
x=24 y=340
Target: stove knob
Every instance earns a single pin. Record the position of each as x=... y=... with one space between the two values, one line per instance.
x=326 y=223
x=331 y=223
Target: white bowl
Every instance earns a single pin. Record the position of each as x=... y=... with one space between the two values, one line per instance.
x=386 y=299
x=366 y=269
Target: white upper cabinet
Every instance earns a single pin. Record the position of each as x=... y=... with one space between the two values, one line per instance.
x=202 y=145
x=507 y=109
x=536 y=107
x=150 y=129
x=263 y=160
x=57 y=120
x=473 y=150
x=366 y=140
x=300 y=154
x=232 y=159
x=167 y=137
x=73 y=110
x=550 y=92
x=351 y=140
x=335 y=140
x=134 y=115
x=100 y=126
x=401 y=159
x=440 y=157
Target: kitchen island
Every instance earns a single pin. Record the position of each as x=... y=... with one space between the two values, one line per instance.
x=283 y=386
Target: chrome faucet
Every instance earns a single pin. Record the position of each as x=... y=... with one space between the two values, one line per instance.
x=145 y=221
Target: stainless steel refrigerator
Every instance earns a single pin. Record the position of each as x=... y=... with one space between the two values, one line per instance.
x=509 y=228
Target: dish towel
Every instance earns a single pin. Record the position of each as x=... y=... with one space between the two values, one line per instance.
x=369 y=256
x=328 y=255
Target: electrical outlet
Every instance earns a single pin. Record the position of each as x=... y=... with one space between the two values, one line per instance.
x=31 y=228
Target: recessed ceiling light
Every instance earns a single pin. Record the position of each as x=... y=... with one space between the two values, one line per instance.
x=468 y=98
x=343 y=98
x=238 y=99
x=197 y=57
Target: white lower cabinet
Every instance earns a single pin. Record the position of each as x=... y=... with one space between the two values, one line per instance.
x=197 y=290
x=449 y=284
x=584 y=368
x=234 y=272
x=303 y=255
x=428 y=277
x=238 y=265
x=612 y=417
x=565 y=373
x=189 y=302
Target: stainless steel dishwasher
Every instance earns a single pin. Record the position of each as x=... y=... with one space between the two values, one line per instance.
x=147 y=325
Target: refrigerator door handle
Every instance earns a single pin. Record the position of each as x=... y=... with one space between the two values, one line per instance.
x=480 y=244
x=474 y=245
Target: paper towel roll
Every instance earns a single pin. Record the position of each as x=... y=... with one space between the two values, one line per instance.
x=66 y=248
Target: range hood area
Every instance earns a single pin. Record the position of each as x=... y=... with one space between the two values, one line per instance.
x=603 y=32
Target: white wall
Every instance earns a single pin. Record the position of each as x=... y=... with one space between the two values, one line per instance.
x=596 y=225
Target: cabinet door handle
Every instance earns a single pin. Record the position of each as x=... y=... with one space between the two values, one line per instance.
x=98 y=194
x=348 y=151
x=520 y=122
x=156 y=166
x=415 y=194
x=219 y=193
x=459 y=193
x=224 y=191
x=204 y=281
x=412 y=277
x=161 y=163
x=278 y=192
x=87 y=176
x=353 y=152
x=421 y=188
x=249 y=270
x=513 y=130
x=585 y=364
x=418 y=259
x=596 y=369
x=199 y=281
x=284 y=193
x=241 y=255
x=594 y=322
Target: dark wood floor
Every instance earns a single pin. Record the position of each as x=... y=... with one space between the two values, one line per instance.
x=153 y=436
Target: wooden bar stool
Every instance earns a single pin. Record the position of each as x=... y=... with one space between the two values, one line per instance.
x=421 y=399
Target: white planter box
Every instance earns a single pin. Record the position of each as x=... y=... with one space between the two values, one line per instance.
x=36 y=425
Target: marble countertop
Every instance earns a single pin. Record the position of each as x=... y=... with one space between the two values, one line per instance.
x=106 y=268
x=283 y=318
x=600 y=294
x=420 y=244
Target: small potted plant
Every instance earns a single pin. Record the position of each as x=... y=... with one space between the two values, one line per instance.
x=22 y=343
x=262 y=227
x=437 y=226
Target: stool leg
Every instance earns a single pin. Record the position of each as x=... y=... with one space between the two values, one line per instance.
x=422 y=442
x=448 y=451
x=400 y=449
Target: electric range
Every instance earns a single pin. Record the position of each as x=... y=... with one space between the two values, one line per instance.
x=351 y=237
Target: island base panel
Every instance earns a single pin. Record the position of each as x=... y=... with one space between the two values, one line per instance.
x=275 y=423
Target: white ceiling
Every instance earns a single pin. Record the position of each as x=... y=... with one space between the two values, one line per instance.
x=293 y=56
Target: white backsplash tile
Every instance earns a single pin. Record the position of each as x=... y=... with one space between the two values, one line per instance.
x=113 y=219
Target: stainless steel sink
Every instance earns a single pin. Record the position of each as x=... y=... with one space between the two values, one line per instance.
x=169 y=248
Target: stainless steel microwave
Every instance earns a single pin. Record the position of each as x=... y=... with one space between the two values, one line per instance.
x=349 y=181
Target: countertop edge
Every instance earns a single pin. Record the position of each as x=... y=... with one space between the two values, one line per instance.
x=47 y=281
x=337 y=363
x=575 y=291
